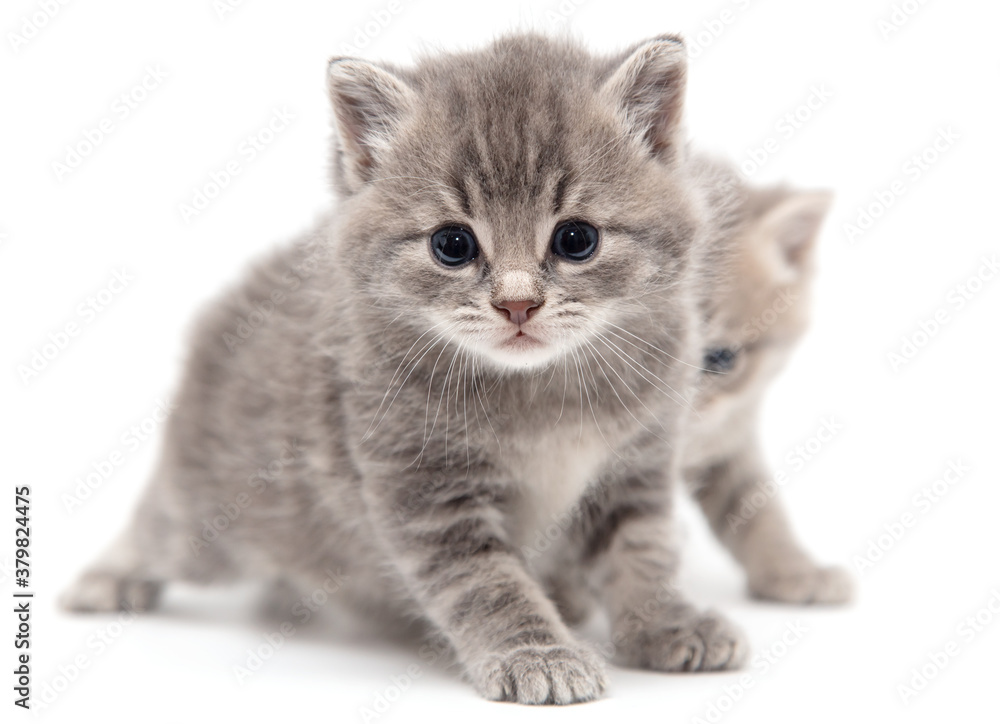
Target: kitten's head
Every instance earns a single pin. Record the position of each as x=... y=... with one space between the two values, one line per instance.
x=516 y=200
x=759 y=308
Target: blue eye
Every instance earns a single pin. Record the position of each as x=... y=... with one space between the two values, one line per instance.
x=575 y=240
x=454 y=245
x=720 y=360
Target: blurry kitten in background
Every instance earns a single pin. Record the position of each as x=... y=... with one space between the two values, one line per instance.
x=754 y=313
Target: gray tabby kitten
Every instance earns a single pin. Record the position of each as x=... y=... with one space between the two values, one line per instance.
x=496 y=330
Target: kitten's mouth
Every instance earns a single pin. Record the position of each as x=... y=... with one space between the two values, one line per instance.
x=521 y=341
x=519 y=349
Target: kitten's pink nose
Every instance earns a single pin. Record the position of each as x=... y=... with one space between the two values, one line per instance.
x=518 y=310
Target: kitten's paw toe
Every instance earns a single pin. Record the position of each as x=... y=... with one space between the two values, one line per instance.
x=823 y=586
x=542 y=675
x=701 y=641
x=101 y=591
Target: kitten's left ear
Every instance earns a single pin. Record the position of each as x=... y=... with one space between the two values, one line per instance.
x=792 y=225
x=648 y=88
x=369 y=103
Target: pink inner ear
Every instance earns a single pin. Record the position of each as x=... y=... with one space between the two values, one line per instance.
x=351 y=132
x=650 y=89
x=368 y=102
x=358 y=116
x=666 y=126
x=794 y=225
x=663 y=134
x=797 y=239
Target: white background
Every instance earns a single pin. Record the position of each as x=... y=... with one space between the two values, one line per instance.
x=892 y=93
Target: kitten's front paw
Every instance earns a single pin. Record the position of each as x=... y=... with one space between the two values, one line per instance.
x=563 y=674
x=694 y=641
x=824 y=586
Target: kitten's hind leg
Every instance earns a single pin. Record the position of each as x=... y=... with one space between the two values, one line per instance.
x=155 y=549
x=116 y=582
x=760 y=536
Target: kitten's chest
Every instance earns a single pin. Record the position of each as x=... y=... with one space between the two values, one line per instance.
x=551 y=473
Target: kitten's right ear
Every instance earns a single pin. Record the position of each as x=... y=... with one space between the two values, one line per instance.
x=648 y=89
x=790 y=227
x=369 y=102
